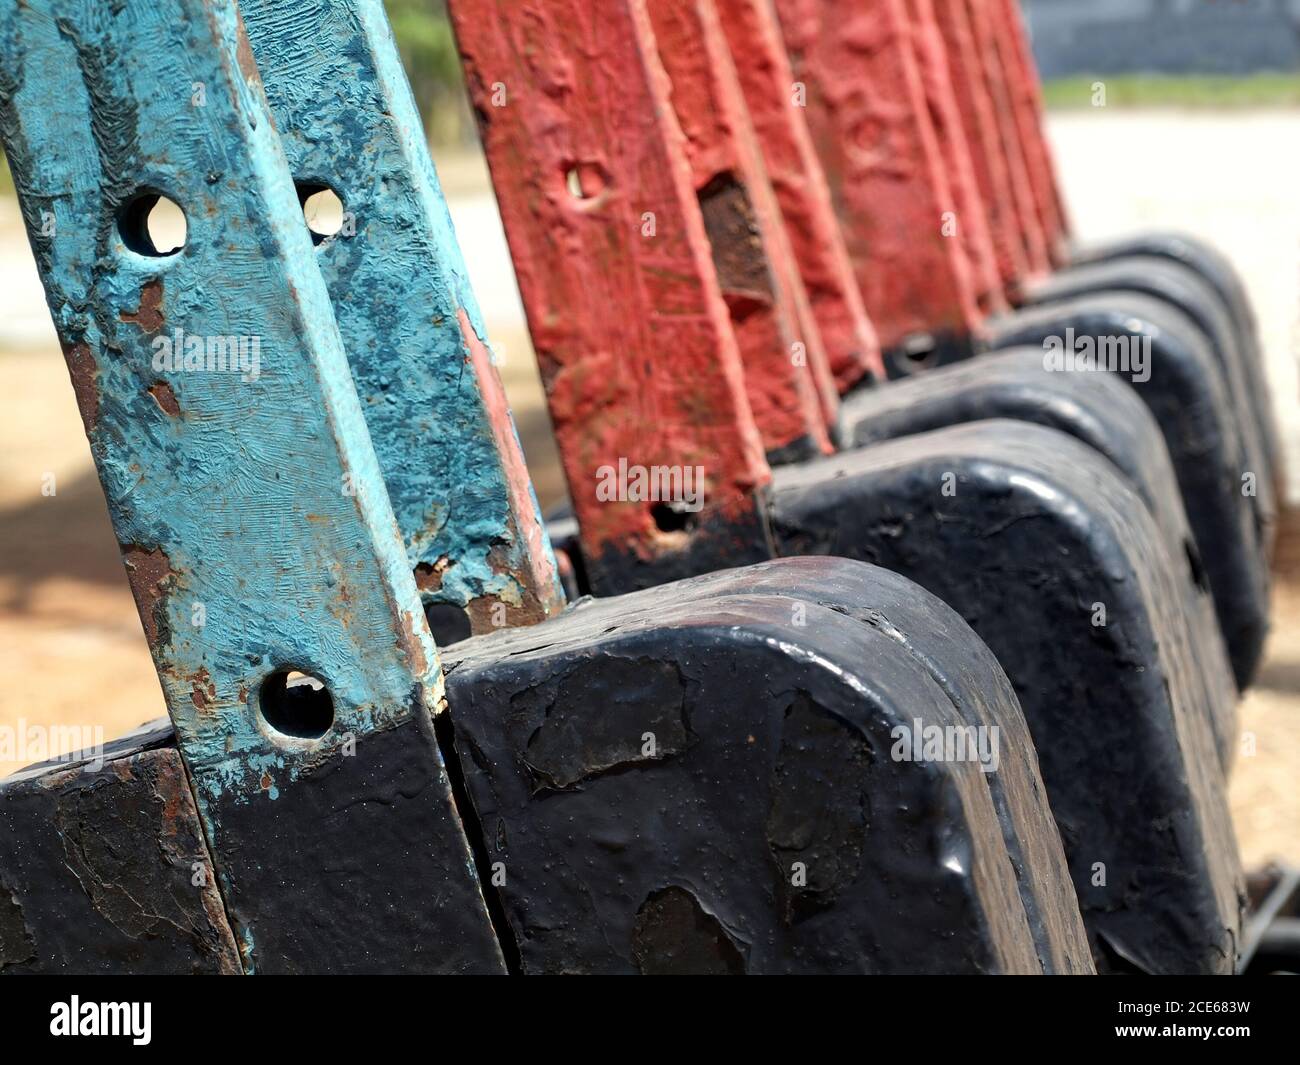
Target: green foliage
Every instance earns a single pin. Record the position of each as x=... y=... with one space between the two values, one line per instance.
x=428 y=49
x=1176 y=90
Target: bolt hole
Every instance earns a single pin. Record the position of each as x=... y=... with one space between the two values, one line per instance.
x=297 y=704
x=448 y=622
x=586 y=181
x=322 y=209
x=917 y=353
x=673 y=517
x=153 y=225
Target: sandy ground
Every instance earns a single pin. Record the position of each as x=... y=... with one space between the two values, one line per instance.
x=71 y=647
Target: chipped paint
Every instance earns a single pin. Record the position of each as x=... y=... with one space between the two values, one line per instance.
x=867 y=112
x=633 y=338
x=432 y=397
x=800 y=185
x=975 y=111
x=165 y=397
x=955 y=153
x=793 y=399
x=149 y=314
x=264 y=505
x=986 y=33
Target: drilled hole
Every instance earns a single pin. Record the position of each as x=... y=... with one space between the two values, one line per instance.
x=919 y=352
x=672 y=517
x=297 y=704
x=448 y=623
x=322 y=209
x=153 y=225
x=586 y=181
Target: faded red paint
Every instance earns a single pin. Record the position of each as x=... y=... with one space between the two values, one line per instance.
x=802 y=192
x=530 y=568
x=633 y=338
x=791 y=390
x=868 y=116
x=1022 y=76
x=972 y=217
x=985 y=29
x=979 y=122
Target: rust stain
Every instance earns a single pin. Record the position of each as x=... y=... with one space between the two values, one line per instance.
x=169 y=789
x=528 y=611
x=736 y=240
x=83 y=370
x=148 y=316
x=148 y=570
x=428 y=576
x=408 y=642
x=203 y=690
x=267 y=782
x=165 y=397
x=244 y=56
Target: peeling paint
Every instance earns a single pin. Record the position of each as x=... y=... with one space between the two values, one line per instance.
x=867 y=113
x=433 y=401
x=256 y=530
x=799 y=183
x=793 y=398
x=149 y=315
x=150 y=575
x=623 y=304
x=165 y=397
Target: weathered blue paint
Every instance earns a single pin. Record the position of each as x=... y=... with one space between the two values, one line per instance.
x=252 y=503
x=434 y=403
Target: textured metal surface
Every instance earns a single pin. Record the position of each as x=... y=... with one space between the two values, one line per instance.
x=787 y=376
x=250 y=507
x=771 y=732
x=633 y=338
x=867 y=113
x=1196 y=255
x=1021 y=76
x=104 y=869
x=972 y=678
x=991 y=47
x=975 y=110
x=415 y=340
x=796 y=174
x=1036 y=531
x=1189 y=292
x=1215 y=269
x=941 y=104
x=1188 y=395
x=1102 y=412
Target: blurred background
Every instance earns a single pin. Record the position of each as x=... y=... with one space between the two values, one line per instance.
x=1200 y=131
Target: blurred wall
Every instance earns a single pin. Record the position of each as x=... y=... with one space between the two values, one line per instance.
x=1164 y=36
